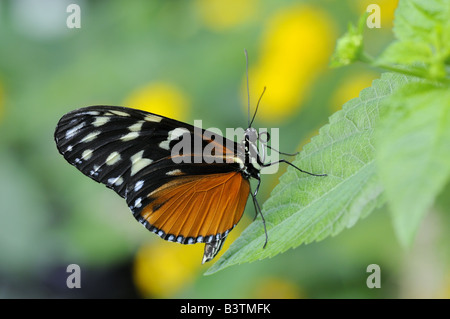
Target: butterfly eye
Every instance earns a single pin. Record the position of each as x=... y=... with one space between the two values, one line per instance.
x=251 y=135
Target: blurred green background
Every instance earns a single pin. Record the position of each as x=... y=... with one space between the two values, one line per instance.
x=182 y=59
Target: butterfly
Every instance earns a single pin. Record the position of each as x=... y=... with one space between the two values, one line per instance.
x=182 y=194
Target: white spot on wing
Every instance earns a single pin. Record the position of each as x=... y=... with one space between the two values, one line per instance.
x=174 y=172
x=173 y=135
x=90 y=137
x=95 y=170
x=93 y=113
x=115 y=180
x=101 y=120
x=113 y=158
x=165 y=145
x=74 y=130
x=119 y=181
x=176 y=133
x=87 y=154
x=120 y=113
x=130 y=136
x=153 y=118
x=138 y=163
x=138 y=185
x=137 y=202
x=136 y=127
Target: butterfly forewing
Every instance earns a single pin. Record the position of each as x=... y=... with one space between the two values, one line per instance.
x=179 y=196
x=111 y=144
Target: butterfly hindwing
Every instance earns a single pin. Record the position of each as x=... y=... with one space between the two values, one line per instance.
x=196 y=208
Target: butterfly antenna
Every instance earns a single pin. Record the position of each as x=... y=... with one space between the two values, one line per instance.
x=257 y=105
x=248 y=87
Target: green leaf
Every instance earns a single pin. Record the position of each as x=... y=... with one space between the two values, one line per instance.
x=349 y=47
x=419 y=20
x=406 y=52
x=423 y=47
x=413 y=153
x=305 y=208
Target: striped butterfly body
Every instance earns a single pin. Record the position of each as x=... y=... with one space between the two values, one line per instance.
x=183 y=195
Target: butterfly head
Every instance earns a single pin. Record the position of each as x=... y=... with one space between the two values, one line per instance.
x=250 y=135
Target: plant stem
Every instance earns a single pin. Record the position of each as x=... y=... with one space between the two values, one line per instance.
x=366 y=58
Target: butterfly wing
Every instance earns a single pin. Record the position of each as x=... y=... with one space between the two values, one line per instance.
x=197 y=208
x=111 y=144
x=181 y=196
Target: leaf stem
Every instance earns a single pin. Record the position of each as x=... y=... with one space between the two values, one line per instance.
x=366 y=58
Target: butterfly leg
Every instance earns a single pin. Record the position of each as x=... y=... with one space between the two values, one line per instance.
x=282 y=153
x=289 y=163
x=254 y=196
x=258 y=211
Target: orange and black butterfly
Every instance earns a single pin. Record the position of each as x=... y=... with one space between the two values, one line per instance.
x=184 y=197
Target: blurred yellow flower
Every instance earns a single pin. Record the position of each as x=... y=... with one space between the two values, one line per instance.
x=350 y=87
x=162 y=268
x=160 y=98
x=277 y=288
x=444 y=292
x=387 y=9
x=296 y=47
x=222 y=15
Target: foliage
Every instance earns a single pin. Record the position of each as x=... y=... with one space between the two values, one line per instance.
x=391 y=144
x=184 y=59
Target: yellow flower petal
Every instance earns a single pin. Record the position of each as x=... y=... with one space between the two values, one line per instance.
x=160 y=98
x=277 y=288
x=222 y=15
x=296 y=47
x=350 y=87
x=444 y=292
x=162 y=268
